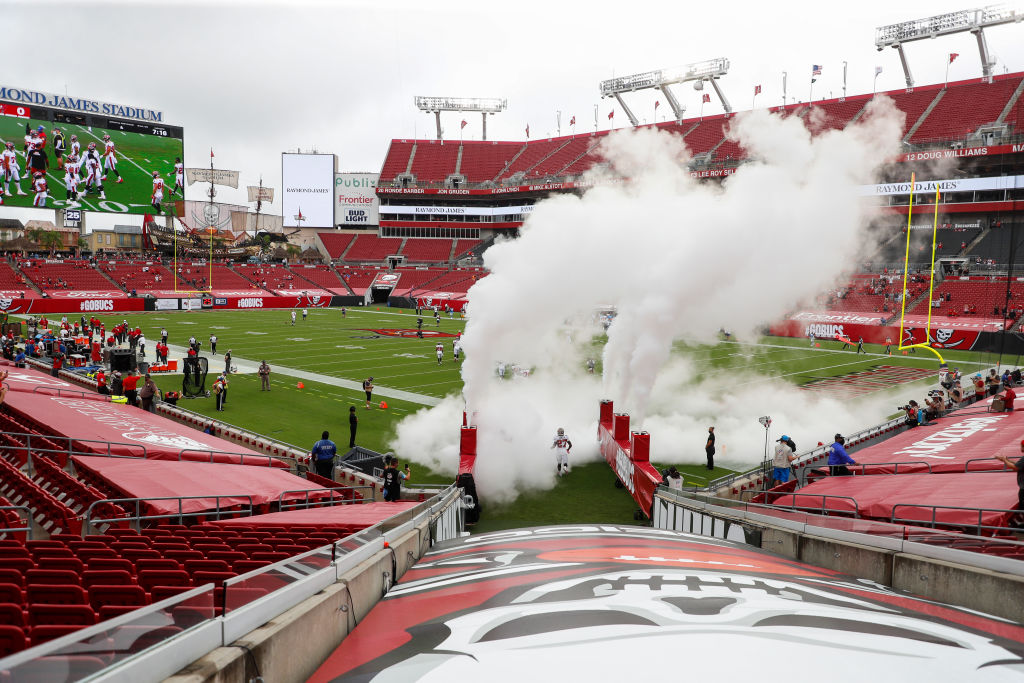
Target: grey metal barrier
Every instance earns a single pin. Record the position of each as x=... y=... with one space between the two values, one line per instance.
x=234 y=509
x=322 y=497
x=27 y=529
x=932 y=520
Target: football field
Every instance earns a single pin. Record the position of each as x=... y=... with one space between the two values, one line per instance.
x=138 y=155
x=331 y=355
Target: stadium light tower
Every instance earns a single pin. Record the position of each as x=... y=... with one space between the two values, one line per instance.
x=484 y=105
x=661 y=79
x=969 y=20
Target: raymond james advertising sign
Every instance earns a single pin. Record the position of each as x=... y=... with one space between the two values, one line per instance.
x=79 y=104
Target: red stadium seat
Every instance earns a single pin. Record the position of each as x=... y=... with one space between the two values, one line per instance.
x=46 y=633
x=51 y=594
x=159 y=593
x=146 y=563
x=12 y=614
x=10 y=592
x=183 y=556
x=100 y=563
x=52 y=576
x=106 y=577
x=12 y=639
x=12 y=576
x=149 y=578
x=212 y=565
x=59 y=615
x=66 y=563
x=116 y=596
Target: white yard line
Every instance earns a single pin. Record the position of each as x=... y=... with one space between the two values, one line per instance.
x=249 y=366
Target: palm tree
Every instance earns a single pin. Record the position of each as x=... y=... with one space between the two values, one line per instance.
x=51 y=239
x=36 y=235
x=293 y=251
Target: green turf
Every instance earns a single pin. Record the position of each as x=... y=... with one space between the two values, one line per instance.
x=138 y=155
x=346 y=348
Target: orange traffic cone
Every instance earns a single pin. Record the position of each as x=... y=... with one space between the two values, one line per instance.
x=300 y=385
x=383 y=405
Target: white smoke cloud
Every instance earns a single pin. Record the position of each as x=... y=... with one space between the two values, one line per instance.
x=678 y=259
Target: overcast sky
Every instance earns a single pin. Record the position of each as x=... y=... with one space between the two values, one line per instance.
x=255 y=79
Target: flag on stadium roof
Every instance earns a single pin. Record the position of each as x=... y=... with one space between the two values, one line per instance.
x=657 y=103
x=527 y=130
x=878 y=70
x=757 y=90
x=816 y=69
x=211 y=152
x=953 y=56
x=572 y=121
x=611 y=114
x=463 y=124
x=707 y=98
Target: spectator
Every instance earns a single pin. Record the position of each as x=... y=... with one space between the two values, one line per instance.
x=130 y=383
x=148 y=394
x=1009 y=395
x=353 y=424
x=838 y=458
x=392 y=480
x=323 y=454
x=782 y=460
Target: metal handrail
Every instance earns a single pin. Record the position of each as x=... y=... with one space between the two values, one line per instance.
x=822 y=510
x=1002 y=465
x=334 y=497
x=71 y=392
x=807 y=455
x=801 y=474
x=233 y=509
x=934 y=521
x=70 y=441
x=241 y=456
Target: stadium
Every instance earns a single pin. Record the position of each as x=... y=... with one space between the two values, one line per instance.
x=575 y=370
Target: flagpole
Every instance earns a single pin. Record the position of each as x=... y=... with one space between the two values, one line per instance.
x=783 y=89
x=945 y=84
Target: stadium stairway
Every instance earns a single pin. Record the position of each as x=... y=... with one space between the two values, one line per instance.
x=510 y=164
x=924 y=115
x=110 y=279
x=1011 y=103
x=28 y=281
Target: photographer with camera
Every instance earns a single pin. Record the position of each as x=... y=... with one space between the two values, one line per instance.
x=838 y=458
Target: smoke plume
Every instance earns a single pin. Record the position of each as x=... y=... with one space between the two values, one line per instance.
x=678 y=259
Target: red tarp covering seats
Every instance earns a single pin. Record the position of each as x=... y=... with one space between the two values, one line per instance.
x=159 y=478
x=876 y=495
x=344 y=519
x=136 y=429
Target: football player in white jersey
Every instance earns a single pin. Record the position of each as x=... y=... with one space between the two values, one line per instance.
x=562 y=446
x=71 y=180
x=76 y=146
x=179 y=177
x=39 y=187
x=158 y=192
x=439 y=350
x=93 y=171
x=10 y=168
x=110 y=159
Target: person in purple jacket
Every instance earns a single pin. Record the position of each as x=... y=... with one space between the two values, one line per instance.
x=838 y=458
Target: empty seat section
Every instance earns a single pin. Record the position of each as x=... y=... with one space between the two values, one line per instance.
x=142 y=277
x=324 y=277
x=272 y=277
x=483 y=160
x=566 y=154
x=68 y=275
x=912 y=104
x=434 y=161
x=534 y=153
x=462 y=247
x=372 y=248
x=964 y=108
x=420 y=249
x=705 y=136
x=833 y=114
x=12 y=282
x=396 y=161
x=335 y=243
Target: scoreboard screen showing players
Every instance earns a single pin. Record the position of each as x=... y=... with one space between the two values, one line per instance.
x=308 y=181
x=115 y=157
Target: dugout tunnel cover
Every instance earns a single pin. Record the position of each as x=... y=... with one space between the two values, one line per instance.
x=607 y=603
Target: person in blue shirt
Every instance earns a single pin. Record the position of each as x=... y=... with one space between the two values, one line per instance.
x=323 y=454
x=19 y=358
x=838 y=458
